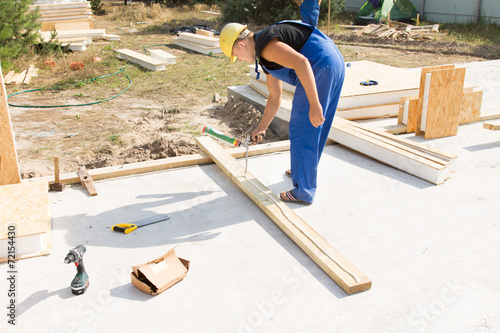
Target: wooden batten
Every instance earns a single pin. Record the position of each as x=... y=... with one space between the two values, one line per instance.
x=333 y=263
x=166 y=163
x=492 y=125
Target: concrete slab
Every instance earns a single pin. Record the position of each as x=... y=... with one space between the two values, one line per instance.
x=431 y=251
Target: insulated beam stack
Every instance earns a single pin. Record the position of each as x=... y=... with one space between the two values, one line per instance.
x=359 y=101
x=155 y=62
x=413 y=158
x=51 y=14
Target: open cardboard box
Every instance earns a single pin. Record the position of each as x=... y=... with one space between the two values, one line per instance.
x=156 y=276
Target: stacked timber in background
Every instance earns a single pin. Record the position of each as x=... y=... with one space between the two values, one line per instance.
x=198 y=42
x=64 y=13
x=72 y=22
x=402 y=31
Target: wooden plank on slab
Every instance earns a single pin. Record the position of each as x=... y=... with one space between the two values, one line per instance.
x=9 y=166
x=87 y=181
x=416 y=148
x=333 y=263
x=445 y=99
x=168 y=163
x=492 y=125
x=27 y=207
x=385 y=153
x=489 y=115
x=141 y=59
x=471 y=107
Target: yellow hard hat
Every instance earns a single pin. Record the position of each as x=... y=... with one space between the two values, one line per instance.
x=228 y=35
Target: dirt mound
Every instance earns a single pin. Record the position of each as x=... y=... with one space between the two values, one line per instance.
x=242 y=118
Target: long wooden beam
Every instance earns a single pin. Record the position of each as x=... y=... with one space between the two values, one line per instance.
x=166 y=163
x=9 y=166
x=343 y=272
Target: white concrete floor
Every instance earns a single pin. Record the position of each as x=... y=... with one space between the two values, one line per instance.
x=432 y=252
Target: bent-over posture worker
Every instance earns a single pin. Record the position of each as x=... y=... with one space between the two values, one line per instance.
x=298 y=53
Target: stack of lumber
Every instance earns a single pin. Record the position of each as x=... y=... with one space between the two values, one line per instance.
x=72 y=22
x=155 y=62
x=442 y=103
x=357 y=101
x=198 y=43
x=63 y=13
x=78 y=40
x=416 y=159
x=21 y=78
x=397 y=30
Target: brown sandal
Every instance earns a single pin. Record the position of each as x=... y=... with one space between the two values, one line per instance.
x=288 y=173
x=288 y=197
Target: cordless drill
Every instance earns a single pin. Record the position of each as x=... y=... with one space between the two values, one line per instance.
x=80 y=282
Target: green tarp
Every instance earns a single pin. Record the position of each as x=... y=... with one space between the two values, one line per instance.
x=400 y=10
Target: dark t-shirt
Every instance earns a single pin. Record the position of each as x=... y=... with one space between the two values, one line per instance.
x=290 y=33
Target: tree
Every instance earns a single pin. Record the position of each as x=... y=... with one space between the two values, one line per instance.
x=18 y=29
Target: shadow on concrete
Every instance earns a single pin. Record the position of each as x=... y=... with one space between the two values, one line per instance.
x=41 y=296
x=483 y=146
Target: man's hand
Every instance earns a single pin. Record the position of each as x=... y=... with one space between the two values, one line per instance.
x=258 y=135
x=316 y=115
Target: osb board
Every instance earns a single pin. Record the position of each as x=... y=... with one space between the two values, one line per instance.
x=471 y=107
x=423 y=73
x=27 y=206
x=9 y=167
x=412 y=112
x=445 y=99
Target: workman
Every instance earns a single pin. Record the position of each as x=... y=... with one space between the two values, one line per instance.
x=298 y=53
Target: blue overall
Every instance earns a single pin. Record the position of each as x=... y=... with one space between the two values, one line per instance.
x=306 y=141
